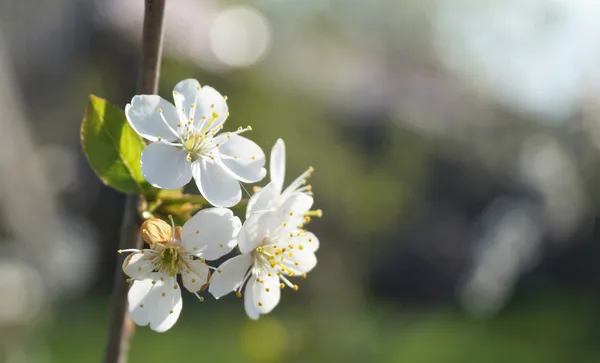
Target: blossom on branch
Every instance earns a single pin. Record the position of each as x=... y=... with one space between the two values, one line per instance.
x=186 y=143
x=274 y=247
x=155 y=296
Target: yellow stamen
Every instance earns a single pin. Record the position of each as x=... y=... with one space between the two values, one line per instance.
x=314 y=213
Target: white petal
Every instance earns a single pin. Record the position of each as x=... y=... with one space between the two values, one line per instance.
x=136 y=297
x=216 y=184
x=250 y=304
x=211 y=233
x=229 y=275
x=258 y=226
x=265 y=294
x=144 y=117
x=302 y=261
x=167 y=308
x=262 y=200
x=165 y=166
x=277 y=164
x=197 y=277
x=138 y=265
x=307 y=240
x=244 y=158
x=211 y=102
x=298 y=203
x=292 y=211
x=148 y=305
x=184 y=94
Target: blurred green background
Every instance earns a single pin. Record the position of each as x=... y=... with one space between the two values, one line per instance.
x=455 y=145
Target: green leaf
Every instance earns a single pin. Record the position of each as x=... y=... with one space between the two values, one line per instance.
x=112 y=147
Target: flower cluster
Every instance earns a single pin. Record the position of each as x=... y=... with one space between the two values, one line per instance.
x=273 y=244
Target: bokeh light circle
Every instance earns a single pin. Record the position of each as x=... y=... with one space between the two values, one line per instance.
x=240 y=36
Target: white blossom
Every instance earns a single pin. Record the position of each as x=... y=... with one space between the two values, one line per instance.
x=186 y=143
x=155 y=296
x=273 y=248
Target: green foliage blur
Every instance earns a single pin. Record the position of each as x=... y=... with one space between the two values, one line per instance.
x=551 y=332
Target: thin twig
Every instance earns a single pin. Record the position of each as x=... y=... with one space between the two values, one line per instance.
x=152 y=41
x=121 y=327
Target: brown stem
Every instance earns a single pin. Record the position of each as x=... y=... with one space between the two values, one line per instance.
x=121 y=327
x=152 y=42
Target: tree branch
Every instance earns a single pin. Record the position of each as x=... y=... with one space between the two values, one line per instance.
x=121 y=327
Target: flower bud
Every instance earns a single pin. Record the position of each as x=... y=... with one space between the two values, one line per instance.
x=156 y=230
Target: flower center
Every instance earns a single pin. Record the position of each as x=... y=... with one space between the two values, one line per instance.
x=170 y=259
x=199 y=146
x=197 y=138
x=270 y=260
x=272 y=256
